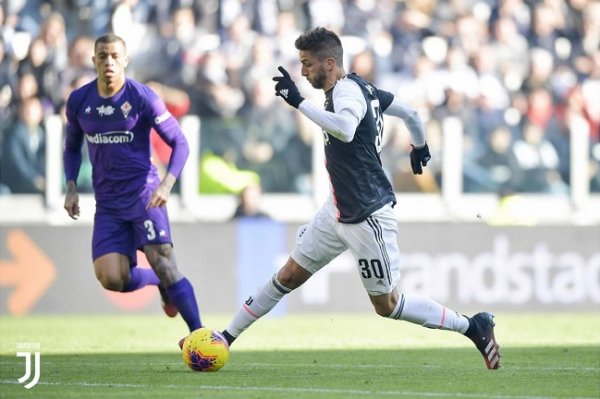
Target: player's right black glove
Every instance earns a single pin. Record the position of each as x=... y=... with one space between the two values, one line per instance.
x=286 y=88
x=419 y=156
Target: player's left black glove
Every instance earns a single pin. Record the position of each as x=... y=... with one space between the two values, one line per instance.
x=419 y=156
x=286 y=88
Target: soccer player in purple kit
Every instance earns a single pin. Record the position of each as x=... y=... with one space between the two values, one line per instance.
x=115 y=115
x=358 y=215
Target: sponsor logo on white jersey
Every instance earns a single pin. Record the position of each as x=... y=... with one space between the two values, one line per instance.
x=118 y=137
x=105 y=110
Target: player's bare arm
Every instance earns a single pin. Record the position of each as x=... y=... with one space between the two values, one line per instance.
x=72 y=200
x=161 y=195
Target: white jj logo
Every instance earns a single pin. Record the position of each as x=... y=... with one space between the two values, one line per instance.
x=36 y=368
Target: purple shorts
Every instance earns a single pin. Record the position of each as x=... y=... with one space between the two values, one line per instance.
x=125 y=230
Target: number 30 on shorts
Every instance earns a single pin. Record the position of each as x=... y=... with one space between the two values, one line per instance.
x=371 y=268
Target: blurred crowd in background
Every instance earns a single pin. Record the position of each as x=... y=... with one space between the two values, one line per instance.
x=520 y=76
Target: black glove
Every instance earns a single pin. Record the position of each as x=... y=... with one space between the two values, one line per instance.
x=286 y=88
x=419 y=156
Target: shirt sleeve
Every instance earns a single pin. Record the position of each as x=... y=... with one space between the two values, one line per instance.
x=169 y=130
x=73 y=142
x=349 y=108
x=411 y=118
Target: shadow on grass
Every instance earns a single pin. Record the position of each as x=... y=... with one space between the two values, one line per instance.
x=543 y=372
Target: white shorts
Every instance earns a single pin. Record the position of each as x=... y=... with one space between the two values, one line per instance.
x=373 y=244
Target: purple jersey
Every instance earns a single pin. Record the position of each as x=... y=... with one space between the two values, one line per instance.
x=117 y=132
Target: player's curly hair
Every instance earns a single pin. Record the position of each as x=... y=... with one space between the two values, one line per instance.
x=322 y=43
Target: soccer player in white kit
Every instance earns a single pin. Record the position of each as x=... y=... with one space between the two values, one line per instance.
x=358 y=215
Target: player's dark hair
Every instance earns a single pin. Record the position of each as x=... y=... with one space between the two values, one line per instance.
x=322 y=43
x=109 y=38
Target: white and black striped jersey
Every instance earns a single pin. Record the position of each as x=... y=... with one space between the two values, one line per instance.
x=358 y=182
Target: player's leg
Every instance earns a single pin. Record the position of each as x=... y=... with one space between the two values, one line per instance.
x=316 y=245
x=153 y=235
x=430 y=314
x=374 y=243
x=114 y=255
x=178 y=288
x=289 y=277
x=419 y=310
x=112 y=271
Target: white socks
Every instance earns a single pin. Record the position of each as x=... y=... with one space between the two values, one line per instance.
x=257 y=305
x=429 y=313
x=418 y=310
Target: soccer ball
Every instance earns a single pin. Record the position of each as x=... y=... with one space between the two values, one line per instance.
x=205 y=350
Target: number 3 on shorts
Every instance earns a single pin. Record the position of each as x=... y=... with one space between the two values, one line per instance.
x=151 y=235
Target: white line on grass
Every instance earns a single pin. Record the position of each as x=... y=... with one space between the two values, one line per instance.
x=353 y=366
x=411 y=366
x=362 y=393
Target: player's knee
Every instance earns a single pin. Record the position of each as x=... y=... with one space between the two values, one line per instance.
x=112 y=271
x=384 y=305
x=111 y=281
x=156 y=254
x=286 y=278
x=383 y=310
x=292 y=275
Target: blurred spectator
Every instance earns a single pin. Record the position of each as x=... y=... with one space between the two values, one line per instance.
x=287 y=32
x=539 y=162
x=541 y=66
x=511 y=50
x=27 y=87
x=267 y=129
x=216 y=101
x=23 y=151
x=183 y=45
x=249 y=203
x=237 y=49
x=53 y=33
x=500 y=168
x=80 y=62
x=546 y=22
x=8 y=83
x=39 y=64
x=363 y=64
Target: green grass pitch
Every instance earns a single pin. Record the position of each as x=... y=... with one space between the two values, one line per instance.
x=304 y=356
